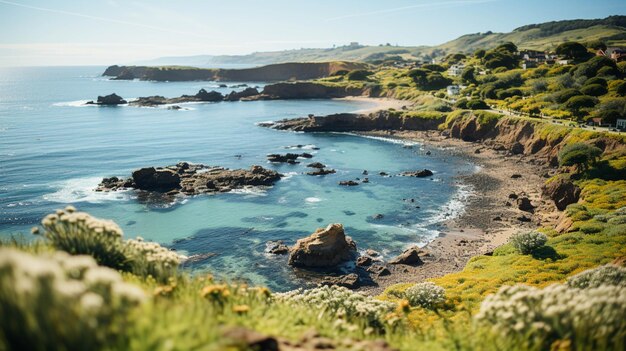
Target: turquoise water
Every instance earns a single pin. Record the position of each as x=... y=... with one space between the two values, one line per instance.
x=53 y=152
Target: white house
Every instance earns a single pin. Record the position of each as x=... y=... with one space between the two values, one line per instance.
x=453 y=90
x=456 y=70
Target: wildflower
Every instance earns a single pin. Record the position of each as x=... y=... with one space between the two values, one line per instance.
x=241 y=309
x=34 y=230
x=427 y=295
x=404 y=306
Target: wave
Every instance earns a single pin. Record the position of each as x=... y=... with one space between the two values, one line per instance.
x=77 y=103
x=82 y=190
x=385 y=139
x=250 y=190
x=312 y=200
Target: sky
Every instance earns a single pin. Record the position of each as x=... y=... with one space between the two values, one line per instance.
x=84 y=32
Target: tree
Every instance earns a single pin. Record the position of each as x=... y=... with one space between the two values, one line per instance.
x=578 y=102
x=572 y=50
x=477 y=105
x=500 y=58
x=580 y=155
x=468 y=74
x=592 y=67
x=434 y=67
x=480 y=53
x=507 y=47
x=597 y=45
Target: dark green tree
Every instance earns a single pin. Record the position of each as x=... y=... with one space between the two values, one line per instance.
x=580 y=155
x=572 y=50
x=468 y=75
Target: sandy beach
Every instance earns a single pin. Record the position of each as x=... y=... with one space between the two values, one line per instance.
x=381 y=103
x=490 y=216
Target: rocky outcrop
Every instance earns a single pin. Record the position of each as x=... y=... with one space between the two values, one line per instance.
x=350 y=281
x=276 y=72
x=562 y=191
x=408 y=257
x=327 y=247
x=321 y=172
x=108 y=100
x=348 y=183
x=276 y=248
x=287 y=158
x=191 y=179
x=305 y=90
x=524 y=204
x=206 y=96
x=241 y=95
x=419 y=174
x=352 y=122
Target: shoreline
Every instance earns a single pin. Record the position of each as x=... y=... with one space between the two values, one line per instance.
x=489 y=217
x=381 y=103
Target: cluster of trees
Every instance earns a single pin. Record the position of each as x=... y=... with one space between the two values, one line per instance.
x=427 y=79
x=503 y=55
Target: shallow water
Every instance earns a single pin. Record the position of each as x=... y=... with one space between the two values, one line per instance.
x=54 y=152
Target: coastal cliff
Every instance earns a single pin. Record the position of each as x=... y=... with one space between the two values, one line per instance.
x=517 y=136
x=276 y=72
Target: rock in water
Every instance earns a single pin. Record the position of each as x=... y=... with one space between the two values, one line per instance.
x=324 y=248
x=111 y=100
x=419 y=174
x=153 y=179
x=409 y=257
x=212 y=96
x=562 y=191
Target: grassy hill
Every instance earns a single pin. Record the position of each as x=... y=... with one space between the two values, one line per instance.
x=544 y=36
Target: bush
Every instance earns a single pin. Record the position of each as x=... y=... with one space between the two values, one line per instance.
x=596 y=80
x=358 y=74
x=340 y=302
x=564 y=95
x=572 y=50
x=594 y=278
x=78 y=233
x=477 y=105
x=591 y=228
x=461 y=103
x=426 y=295
x=593 y=317
x=578 y=154
x=594 y=90
x=590 y=68
x=58 y=301
x=583 y=101
x=503 y=94
x=526 y=243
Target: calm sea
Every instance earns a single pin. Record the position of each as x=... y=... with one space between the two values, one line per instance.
x=54 y=151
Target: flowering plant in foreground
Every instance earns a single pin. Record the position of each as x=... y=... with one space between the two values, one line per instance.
x=592 y=316
x=426 y=294
x=526 y=243
x=603 y=275
x=341 y=302
x=59 y=300
x=80 y=233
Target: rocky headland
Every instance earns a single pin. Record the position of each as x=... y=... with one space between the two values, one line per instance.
x=276 y=72
x=191 y=179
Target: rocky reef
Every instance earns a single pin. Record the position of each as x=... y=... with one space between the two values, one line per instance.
x=108 y=100
x=191 y=179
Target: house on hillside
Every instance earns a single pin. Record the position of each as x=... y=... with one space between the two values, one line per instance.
x=528 y=64
x=615 y=54
x=621 y=124
x=453 y=90
x=456 y=69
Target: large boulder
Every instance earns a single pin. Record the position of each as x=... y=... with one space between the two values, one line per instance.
x=524 y=204
x=562 y=191
x=153 y=179
x=350 y=281
x=238 y=95
x=112 y=99
x=326 y=247
x=408 y=257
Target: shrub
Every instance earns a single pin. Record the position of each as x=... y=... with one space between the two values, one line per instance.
x=578 y=102
x=526 y=243
x=461 y=103
x=603 y=275
x=58 y=301
x=477 y=105
x=78 y=233
x=426 y=295
x=591 y=228
x=572 y=50
x=340 y=302
x=596 y=80
x=594 y=90
x=358 y=74
x=592 y=317
x=578 y=154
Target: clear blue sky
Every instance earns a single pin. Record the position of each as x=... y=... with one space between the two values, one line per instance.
x=77 y=32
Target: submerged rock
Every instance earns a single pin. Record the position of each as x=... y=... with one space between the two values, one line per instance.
x=277 y=248
x=287 y=158
x=348 y=183
x=316 y=165
x=321 y=171
x=326 y=247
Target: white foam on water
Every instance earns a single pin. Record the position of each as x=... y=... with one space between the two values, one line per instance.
x=385 y=139
x=288 y=175
x=82 y=190
x=77 y=103
x=301 y=147
x=312 y=200
x=250 y=190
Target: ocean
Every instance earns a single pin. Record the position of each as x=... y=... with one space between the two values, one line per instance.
x=54 y=151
